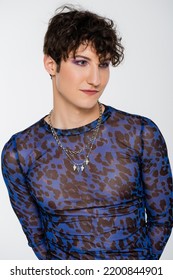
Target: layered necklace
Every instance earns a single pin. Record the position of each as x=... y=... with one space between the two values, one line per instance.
x=70 y=153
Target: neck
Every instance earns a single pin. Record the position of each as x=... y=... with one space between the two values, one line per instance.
x=68 y=116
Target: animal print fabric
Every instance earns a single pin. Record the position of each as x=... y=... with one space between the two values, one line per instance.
x=119 y=207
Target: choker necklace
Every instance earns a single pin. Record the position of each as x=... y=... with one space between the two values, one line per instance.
x=78 y=166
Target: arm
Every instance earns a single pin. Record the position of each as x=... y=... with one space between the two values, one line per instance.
x=22 y=202
x=158 y=187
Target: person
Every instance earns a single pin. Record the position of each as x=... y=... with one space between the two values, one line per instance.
x=88 y=181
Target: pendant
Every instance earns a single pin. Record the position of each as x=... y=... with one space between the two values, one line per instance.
x=80 y=167
x=74 y=167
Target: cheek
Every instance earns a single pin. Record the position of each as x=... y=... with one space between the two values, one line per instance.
x=105 y=78
x=63 y=80
x=72 y=77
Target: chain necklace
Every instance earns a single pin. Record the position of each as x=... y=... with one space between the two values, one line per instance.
x=69 y=153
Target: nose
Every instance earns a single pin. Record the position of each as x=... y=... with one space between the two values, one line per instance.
x=93 y=77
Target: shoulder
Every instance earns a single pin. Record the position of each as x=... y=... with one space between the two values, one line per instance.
x=25 y=140
x=137 y=131
x=128 y=120
x=131 y=120
x=134 y=126
x=35 y=131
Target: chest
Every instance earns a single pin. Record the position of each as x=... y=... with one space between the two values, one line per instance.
x=112 y=176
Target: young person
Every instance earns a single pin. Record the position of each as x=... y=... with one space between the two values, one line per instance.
x=88 y=181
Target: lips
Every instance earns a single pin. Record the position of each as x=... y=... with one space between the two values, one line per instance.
x=89 y=91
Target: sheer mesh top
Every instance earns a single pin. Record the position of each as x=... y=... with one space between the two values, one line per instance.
x=118 y=207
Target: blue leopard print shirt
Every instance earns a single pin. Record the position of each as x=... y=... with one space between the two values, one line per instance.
x=119 y=207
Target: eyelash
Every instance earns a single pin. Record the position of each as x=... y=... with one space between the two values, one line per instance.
x=104 y=65
x=80 y=62
x=83 y=63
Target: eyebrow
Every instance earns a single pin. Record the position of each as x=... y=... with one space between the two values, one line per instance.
x=82 y=56
x=87 y=58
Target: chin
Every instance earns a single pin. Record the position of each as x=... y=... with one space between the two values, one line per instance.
x=88 y=104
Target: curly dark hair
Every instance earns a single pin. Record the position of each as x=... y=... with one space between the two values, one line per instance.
x=70 y=27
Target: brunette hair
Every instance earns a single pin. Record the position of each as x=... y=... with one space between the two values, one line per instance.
x=70 y=27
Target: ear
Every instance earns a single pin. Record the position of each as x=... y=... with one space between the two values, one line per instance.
x=50 y=65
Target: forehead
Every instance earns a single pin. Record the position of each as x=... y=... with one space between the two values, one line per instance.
x=86 y=49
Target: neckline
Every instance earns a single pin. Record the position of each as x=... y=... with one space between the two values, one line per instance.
x=79 y=130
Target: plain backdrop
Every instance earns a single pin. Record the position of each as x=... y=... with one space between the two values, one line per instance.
x=143 y=84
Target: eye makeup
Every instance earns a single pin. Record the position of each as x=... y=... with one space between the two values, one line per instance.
x=80 y=62
x=83 y=61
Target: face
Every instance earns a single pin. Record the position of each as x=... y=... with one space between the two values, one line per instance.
x=81 y=80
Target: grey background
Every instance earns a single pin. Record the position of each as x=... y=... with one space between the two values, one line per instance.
x=142 y=84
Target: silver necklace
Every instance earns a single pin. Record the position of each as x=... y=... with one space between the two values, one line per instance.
x=69 y=153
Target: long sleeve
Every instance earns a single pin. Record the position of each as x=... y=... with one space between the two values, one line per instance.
x=22 y=202
x=158 y=187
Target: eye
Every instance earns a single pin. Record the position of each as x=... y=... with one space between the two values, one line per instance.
x=104 y=64
x=80 y=62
